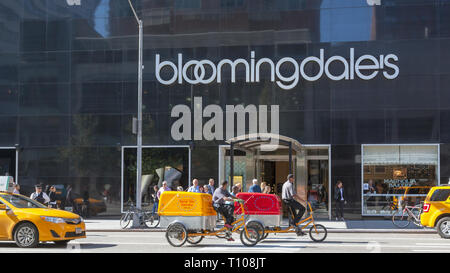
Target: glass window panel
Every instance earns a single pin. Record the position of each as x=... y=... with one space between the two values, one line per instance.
x=397 y=175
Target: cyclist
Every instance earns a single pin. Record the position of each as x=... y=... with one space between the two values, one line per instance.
x=288 y=194
x=221 y=197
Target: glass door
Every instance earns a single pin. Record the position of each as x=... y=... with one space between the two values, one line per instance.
x=318 y=187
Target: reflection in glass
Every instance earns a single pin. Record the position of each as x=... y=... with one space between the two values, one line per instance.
x=158 y=165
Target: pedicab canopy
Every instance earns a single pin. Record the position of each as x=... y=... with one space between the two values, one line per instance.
x=259 y=204
x=176 y=203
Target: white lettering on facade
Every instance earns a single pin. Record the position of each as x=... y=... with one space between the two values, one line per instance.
x=365 y=67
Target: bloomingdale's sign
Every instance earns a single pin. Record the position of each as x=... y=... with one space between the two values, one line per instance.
x=365 y=67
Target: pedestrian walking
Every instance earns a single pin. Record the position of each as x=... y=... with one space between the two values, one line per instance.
x=255 y=187
x=39 y=195
x=69 y=201
x=339 y=197
x=155 y=199
x=289 y=196
x=53 y=198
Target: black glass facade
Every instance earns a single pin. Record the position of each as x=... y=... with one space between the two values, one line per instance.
x=68 y=80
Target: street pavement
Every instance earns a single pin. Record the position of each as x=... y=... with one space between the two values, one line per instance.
x=155 y=242
x=353 y=226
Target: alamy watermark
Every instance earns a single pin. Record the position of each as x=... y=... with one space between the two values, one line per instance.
x=223 y=124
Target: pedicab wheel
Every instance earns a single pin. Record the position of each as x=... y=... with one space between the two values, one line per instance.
x=251 y=237
x=318 y=233
x=176 y=234
x=194 y=240
x=259 y=227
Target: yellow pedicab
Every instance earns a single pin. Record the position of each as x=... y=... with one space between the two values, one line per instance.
x=189 y=217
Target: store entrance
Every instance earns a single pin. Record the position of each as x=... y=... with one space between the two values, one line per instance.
x=274 y=174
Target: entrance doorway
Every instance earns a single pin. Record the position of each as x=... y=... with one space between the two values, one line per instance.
x=310 y=165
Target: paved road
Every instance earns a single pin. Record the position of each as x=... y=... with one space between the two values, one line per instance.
x=155 y=242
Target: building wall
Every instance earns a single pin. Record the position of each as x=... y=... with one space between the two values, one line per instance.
x=68 y=79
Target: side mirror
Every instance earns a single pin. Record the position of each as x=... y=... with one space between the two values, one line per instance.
x=3 y=207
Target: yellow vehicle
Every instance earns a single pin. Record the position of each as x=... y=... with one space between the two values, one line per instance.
x=28 y=222
x=436 y=210
x=189 y=217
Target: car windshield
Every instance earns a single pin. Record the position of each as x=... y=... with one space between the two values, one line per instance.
x=22 y=202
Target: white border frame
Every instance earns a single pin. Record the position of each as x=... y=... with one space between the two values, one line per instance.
x=149 y=146
x=390 y=144
x=16 y=176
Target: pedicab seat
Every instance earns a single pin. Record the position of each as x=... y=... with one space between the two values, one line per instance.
x=193 y=210
x=265 y=208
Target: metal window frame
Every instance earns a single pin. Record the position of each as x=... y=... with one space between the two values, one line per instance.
x=438 y=145
x=144 y=147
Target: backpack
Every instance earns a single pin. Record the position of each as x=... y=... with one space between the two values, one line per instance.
x=40 y=198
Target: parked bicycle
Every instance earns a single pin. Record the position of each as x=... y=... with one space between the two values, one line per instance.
x=147 y=218
x=409 y=214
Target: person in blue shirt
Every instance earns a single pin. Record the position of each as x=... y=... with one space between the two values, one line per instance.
x=194 y=187
x=255 y=187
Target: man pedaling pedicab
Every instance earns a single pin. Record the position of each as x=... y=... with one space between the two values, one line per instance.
x=223 y=203
x=288 y=195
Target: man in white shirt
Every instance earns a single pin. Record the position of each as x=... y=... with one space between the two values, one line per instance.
x=194 y=187
x=39 y=195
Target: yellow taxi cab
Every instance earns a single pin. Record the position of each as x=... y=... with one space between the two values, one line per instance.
x=436 y=210
x=28 y=222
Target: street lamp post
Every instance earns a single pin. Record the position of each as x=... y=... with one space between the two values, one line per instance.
x=136 y=217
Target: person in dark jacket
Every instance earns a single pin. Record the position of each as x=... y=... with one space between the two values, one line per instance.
x=339 y=197
x=69 y=199
x=52 y=195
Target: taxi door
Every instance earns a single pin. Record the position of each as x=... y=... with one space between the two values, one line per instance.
x=7 y=221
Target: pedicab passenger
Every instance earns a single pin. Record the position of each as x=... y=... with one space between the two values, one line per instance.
x=220 y=197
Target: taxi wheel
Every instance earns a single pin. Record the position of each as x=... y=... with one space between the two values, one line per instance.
x=26 y=235
x=443 y=227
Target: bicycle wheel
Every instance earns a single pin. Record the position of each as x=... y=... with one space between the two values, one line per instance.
x=401 y=219
x=176 y=234
x=318 y=233
x=152 y=220
x=251 y=237
x=194 y=240
x=125 y=220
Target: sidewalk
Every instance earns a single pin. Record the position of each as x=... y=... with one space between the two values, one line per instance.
x=348 y=226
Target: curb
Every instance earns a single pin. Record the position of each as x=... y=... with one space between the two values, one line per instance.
x=403 y=231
